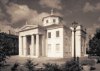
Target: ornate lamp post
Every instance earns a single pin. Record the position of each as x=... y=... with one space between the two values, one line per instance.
x=74 y=25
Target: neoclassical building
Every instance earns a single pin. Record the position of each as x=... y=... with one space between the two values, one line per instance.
x=51 y=39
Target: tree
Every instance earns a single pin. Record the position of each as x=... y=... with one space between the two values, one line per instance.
x=94 y=44
x=4 y=52
x=7 y=44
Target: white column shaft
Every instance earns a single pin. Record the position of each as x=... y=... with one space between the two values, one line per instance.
x=78 y=43
x=37 y=45
x=32 y=45
x=25 y=45
x=20 y=45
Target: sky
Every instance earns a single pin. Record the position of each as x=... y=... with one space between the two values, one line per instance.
x=15 y=13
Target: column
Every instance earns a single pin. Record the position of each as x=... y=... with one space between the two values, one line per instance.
x=37 y=45
x=24 y=45
x=32 y=45
x=20 y=45
x=78 y=43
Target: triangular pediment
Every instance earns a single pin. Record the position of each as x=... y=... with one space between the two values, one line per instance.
x=27 y=27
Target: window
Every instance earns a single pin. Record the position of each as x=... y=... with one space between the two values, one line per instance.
x=49 y=34
x=57 y=47
x=49 y=47
x=46 y=21
x=57 y=33
x=54 y=20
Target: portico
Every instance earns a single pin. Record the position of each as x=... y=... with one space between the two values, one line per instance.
x=30 y=44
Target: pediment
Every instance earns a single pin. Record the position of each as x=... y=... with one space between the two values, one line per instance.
x=27 y=27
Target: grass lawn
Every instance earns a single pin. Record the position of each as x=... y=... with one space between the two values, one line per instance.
x=97 y=66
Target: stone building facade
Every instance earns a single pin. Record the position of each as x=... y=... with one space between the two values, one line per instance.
x=51 y=39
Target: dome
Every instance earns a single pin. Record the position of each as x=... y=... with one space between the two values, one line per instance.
x=51 y=19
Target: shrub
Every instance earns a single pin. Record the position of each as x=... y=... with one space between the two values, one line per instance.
x=96 y=58
x=3 y=54
x=71 y=66
x=51 y=67
x=14 y=67
x=30 y=65
x=90 y=62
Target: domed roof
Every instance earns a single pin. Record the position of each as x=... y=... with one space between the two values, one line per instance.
x=52 y=15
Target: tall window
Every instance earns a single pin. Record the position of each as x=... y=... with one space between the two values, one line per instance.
x=57 y=47
x=49 y=47
x=49 y=34
x=57 y=33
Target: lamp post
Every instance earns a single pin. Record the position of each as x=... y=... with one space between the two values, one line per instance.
x=74 y=25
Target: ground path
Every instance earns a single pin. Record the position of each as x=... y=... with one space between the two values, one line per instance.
x=97 y=66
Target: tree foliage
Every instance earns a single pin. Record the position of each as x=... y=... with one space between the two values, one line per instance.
x=6 y=46
x=10 y=42
x=94 y=44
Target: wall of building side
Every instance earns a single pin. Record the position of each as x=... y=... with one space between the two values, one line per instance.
x=53 y=41
x=83 y=43
x=67 y=42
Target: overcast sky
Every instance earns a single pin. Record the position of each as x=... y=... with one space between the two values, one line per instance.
x=14 y=13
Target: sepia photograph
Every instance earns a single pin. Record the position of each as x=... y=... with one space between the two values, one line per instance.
x=49 y=35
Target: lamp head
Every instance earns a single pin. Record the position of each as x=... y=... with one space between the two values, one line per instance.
x=74 y=24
